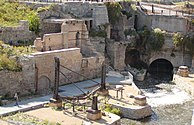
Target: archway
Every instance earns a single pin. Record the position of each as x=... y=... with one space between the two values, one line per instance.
x=132 y=58
x=44 y=85
x=161 y=68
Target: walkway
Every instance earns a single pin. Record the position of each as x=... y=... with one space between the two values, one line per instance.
x=66 y=90
x=160 y=9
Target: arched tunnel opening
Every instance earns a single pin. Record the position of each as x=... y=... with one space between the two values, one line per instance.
x=161 y=69
x=132 y=58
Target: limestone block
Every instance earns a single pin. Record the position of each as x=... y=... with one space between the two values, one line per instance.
x=140 y=100
x=134 y=112
x=103 y=92
x=183 y=71
x=94 y=115
x=55 y=103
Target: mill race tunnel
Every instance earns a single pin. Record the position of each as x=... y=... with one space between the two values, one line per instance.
x=161 y=68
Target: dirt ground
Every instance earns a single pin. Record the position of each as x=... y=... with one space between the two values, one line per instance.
x=66 y=117
x=3 y=123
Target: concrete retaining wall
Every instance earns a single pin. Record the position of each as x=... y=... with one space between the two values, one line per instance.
x=167 y=23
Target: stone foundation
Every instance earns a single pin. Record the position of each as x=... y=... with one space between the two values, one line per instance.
x=134 y=112
x=94 y=114
x=103 y=92
x=55 y=103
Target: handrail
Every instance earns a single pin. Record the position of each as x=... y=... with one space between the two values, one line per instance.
x=79 y=74
x=72 y=82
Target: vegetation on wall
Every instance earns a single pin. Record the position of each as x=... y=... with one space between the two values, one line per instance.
x=114 y=11
x=12 y=12
x=156 y=39
x=9 y=56
x=151 y=40
x=99 y=31
x=130 y=32
x=184 y=41
x=46 y=8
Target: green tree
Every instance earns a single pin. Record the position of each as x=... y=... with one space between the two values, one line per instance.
x=34 y=22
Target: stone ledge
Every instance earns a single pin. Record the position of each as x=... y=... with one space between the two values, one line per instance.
x=134 y=112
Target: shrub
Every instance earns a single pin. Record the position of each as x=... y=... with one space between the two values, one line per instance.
x=184 y=41
x=151 y=40
x=9 y=56
x=34 y=22
x=157 y=39
x=109 y=108
x=12 y=12
x=114 y=11
x=130 y=32
x=99 y=33
x=46 y=8
x=178 y=39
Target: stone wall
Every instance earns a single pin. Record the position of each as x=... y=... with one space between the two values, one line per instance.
x=70 y=58
x=177 y=60
x=116 y=54
x=122 y=25
x=100 y=15
x=75 y=10
x=14 y=34
x=22 y=82
x=99 y=44
x=173 y=54
x=66 y=38
x=167 y=23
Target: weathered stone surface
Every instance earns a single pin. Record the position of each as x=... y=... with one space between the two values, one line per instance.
x=94 y=116
x=55 y=103
x=183 y=71
x=140 y=100
x=22 y=82
x=14 y=34
x=134 y=112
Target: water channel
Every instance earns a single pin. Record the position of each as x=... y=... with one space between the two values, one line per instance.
x=170 y=105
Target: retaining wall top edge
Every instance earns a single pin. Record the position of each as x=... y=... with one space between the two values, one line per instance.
x=55 y=51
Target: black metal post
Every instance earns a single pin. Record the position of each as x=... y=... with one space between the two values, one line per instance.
x=94 y=103
x=103 y=77
x=56 y=85
x=36 y=78
x=152 y=8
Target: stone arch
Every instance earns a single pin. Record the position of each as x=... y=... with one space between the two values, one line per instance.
x=161 y=68
x=44 y=85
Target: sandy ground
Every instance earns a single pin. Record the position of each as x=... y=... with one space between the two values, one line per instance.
x=4 y=123
x=66 y=117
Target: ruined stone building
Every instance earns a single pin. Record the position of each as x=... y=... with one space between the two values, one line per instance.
x=62 y=37
x=67 y=38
